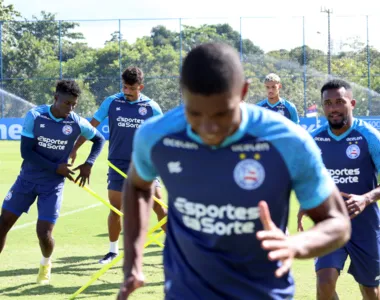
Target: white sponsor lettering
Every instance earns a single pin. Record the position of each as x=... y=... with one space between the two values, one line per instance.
x=53 y=144
x=352 y=139
x=212 y=219
x=180 y=144
x=322 y=139
x=343 y=176
x=175 y=167
x=129 y=122
x=250 y=147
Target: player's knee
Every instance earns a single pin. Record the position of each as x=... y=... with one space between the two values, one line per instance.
x=326 y=283
x=6 y=223
x=370 y=293
x=44 y=234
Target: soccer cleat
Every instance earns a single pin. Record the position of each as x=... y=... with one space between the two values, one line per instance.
x=110 y=256
x=44 y=274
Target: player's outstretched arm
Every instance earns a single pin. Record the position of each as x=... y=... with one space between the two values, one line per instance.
x=331 y=231
x=81 y=140
x=137 y=205
x=85 y=169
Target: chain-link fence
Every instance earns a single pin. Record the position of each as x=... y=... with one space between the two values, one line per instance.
x=304 y=51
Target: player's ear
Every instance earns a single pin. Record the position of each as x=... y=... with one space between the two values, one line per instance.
x=353 y=103
x=55 y=97
x=245 y=89
x=279 y=86
x=141 y=87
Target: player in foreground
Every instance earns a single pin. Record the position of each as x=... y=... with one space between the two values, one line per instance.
x=126 y=111
x=47 y=138
x=275 y=102
x=351 y=152
x=218 y=157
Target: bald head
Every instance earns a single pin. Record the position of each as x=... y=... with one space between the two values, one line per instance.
x=212 y=68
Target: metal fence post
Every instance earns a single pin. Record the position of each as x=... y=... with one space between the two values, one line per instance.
x=304 y=67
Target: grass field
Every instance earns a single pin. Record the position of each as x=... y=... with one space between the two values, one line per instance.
x=81 y=239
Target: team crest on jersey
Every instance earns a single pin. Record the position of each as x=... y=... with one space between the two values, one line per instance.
x=67 y=130
x=142 y=110
x=249 y=174
x=353 y=151
x=8 y=196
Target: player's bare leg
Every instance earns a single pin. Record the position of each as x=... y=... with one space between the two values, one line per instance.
x=114 y=227
x=370 y=293
x=160 y=211
x=326 y=284
x=45 y=237
x=7 y=220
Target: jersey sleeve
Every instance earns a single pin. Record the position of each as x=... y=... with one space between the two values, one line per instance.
x=102 y=112
x=156 y=109
x=293 y=113
x=311 y=181
x=373 y=140
x=87 y=130
x=141 y=155
x=27 y=129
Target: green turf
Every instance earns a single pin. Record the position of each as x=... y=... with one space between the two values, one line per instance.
x=81 y=239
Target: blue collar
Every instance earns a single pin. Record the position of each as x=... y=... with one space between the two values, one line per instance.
x=342 y=136
x=280 y=101
x=237 y=135
x=51 y=115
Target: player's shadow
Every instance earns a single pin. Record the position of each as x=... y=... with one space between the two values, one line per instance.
x=153 y=253
x=103 y=235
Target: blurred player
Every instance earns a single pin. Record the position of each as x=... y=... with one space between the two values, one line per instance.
x=275 y=102
x=126 y=111
x=218 y=157
x=47 y=138
x=351 y=152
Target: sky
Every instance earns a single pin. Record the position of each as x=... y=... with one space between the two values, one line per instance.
x=271 y=25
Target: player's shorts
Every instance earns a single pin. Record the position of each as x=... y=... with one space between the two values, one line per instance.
x=117 y=185
x=23 y=193
x=365 y=262
x=115 y=180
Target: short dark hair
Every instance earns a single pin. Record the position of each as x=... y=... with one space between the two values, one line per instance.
x=335 y=84
x=68 y=87
x=133 y=75
x=211 y=68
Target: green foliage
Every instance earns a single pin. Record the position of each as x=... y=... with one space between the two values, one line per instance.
x=31 y=56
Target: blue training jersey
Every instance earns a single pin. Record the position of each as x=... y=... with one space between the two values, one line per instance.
x=211 y=250
x=283 y=107
x=55 y=140
x=124 y=117
x=353 y=160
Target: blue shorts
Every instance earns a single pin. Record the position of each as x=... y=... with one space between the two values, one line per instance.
x=365 y=262
x=115 y=180
x=23 y=193
x=117 y=185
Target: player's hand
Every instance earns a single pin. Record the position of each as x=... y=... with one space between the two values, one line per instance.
x=130 y=284
x=275 y=241
x=355 y=204
x=84 y=174
x=63 y=169
x=300 y=215
x=73 y=156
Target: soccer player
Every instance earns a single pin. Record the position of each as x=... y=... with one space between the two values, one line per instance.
x=275 y=102
x=218 y=157
x=48 y=135
x=351 y=152
x=126 y=111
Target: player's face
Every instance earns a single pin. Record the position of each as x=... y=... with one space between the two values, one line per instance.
x=214 y=117
x=132 y=92
x=338 y=105
x=65 y=104
x=273 y=89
